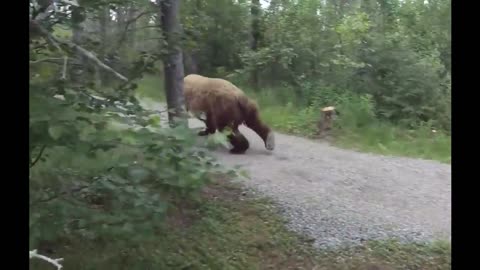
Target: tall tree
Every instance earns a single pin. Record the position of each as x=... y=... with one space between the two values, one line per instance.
x=255 y=14
x=103 y=21
x=132 y=19
x=78 y=37
x=173 y=61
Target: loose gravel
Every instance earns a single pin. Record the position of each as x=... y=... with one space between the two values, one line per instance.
x=340 y=197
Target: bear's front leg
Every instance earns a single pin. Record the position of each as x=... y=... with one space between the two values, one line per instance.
x=211 y=125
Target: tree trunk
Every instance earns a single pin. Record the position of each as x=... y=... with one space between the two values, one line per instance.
x=173 y=62
x=104 y=20
x=121 y=18
x=78 y=74
x=255 y=15
x=190 y=63
x=131 y=37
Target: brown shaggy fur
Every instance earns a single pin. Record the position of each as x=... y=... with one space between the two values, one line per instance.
x=225 y=105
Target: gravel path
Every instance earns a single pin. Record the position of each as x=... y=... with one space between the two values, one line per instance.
x=340 y=197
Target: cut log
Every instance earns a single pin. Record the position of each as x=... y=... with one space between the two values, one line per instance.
x=326 y=119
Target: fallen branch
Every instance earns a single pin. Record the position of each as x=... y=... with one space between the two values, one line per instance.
x=55 y=262
x=89 y=55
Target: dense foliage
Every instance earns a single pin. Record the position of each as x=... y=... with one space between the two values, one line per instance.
x=100 y=164
x=396 y=52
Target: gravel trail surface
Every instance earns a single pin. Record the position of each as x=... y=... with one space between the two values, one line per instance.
x=341 y=197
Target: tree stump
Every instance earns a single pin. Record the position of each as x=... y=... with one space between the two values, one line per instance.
x=326 y=120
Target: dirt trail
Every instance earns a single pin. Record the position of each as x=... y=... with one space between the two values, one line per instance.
x=338 y=196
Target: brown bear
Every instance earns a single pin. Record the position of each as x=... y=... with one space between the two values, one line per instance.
x=225 y=105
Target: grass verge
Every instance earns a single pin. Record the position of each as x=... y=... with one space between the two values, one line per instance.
x=231 y=230
x=355 y=128
x=377 y=137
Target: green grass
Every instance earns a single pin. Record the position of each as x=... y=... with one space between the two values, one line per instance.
x=355 y=128
x=228 y=230
x=390 y=140
x=377 y=137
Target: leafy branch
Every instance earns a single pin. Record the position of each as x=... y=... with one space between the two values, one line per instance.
x=72 y=191
x=38 y=156
x=129 y=22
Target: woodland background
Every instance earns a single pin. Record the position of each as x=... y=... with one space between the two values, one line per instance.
x=384 y=64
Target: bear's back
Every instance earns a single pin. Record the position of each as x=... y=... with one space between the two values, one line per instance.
x=204 y=94
x=216 y=86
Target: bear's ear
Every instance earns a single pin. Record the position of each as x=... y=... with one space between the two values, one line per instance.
x=270 y=141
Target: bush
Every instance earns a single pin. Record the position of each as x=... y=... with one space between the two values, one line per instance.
x=95 y=181
x=102 y=167
x=356 y=111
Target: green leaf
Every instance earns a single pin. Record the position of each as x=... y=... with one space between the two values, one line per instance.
x=154 y=121
x=138 y=174
x=55 y=132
